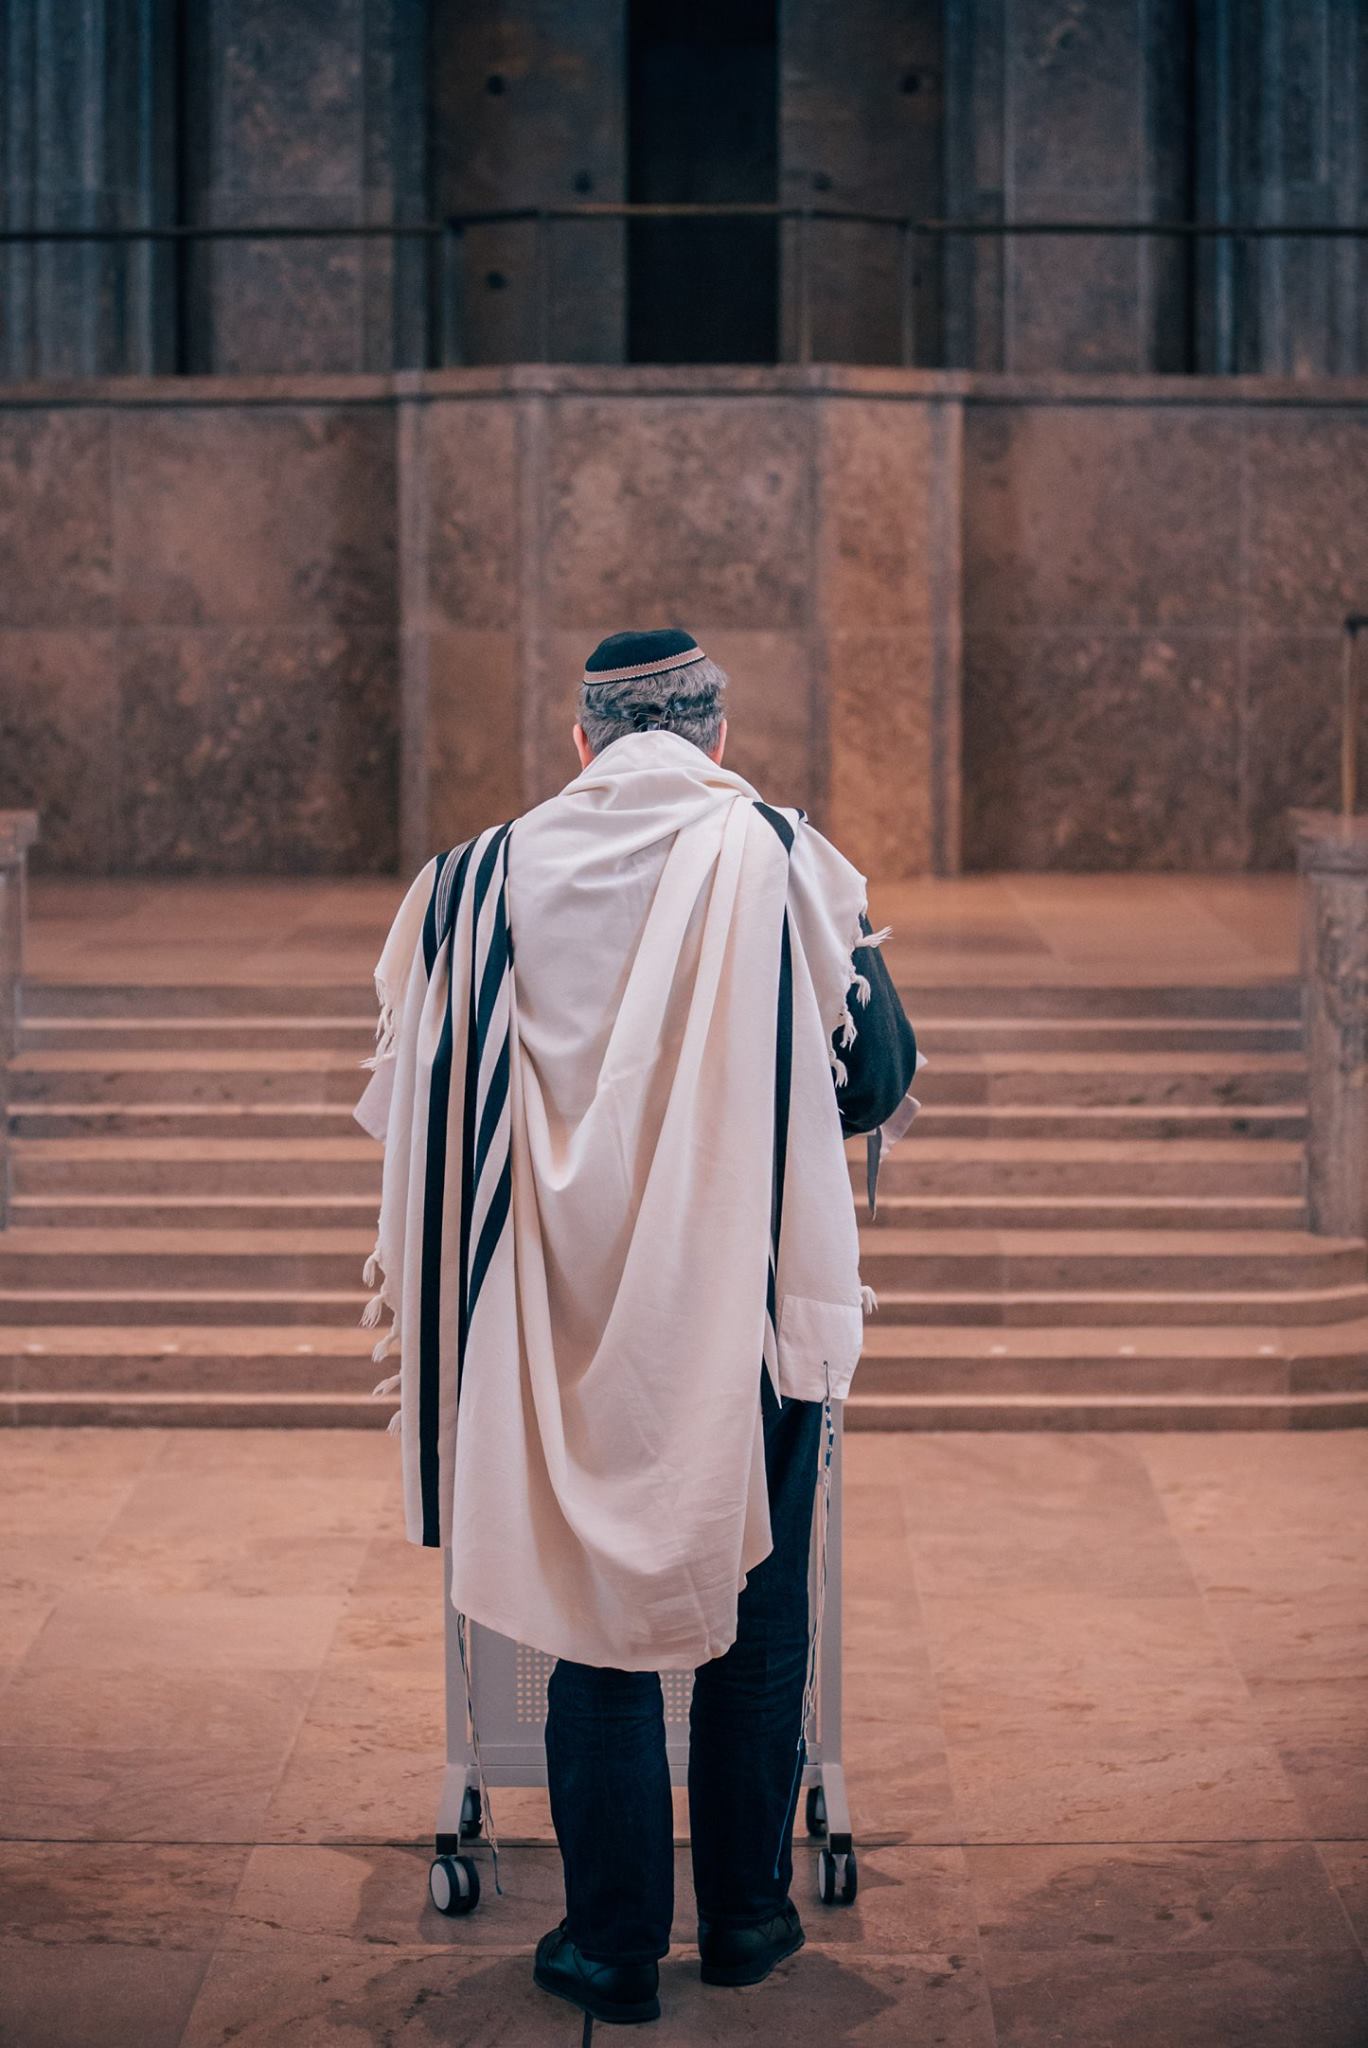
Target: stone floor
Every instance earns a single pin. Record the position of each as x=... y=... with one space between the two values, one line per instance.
x=1008 y=928
x=1107 y=1705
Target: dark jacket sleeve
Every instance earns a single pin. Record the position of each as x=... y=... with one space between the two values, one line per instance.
x=881 y=1059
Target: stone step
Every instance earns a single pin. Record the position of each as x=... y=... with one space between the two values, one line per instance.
x=44 y=1000
x=195 y=1212
x=926 y=999
x=1075 y=1308
x=1144 y=1359
x=1067 y=1412
x=997 y=1034
x=914 y=1261
x=1084 y=1080
x=154 y=1167
x=305 y=1076
x=319 y=1078
x=922 y=1164
x=1106 y=1260
x=282 y=1119
x=929 y=1213
x=253 y=1120
x=1225 y=1002
x=1088 y=1377
x=236 y=1308
x=98 y=1036
x=307 y=1259
x=1149 y=1121
x=1121 y=1035
x=301 y=1358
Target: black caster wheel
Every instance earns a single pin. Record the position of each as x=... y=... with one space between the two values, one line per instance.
x=472 y=1812
x=454 y=1883
x=815 y=1811
x=838 y=1878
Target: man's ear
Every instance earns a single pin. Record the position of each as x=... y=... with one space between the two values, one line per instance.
x=582 y=746
x=714 y=753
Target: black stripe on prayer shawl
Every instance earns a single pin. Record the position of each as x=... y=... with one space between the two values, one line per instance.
x=783 y=1073
x=486 y=981
x=430 y=1285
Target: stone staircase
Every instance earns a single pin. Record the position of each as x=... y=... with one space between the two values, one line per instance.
x=1096 y=1222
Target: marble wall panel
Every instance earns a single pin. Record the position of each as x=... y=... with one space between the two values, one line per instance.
x=881 y=804
x=1293 y=720
x=1112 y=752
x=1077 y=301
x=59 y=743
x=1101 y=517
x=878 y=466
x=255 y=515
x=773 y=720
x=472 y=751
x=470 y=478
x=672 y=510
x=1306 y=490
x=772 y=715
x=246 y=751
x=56 y=549
x=553 y=665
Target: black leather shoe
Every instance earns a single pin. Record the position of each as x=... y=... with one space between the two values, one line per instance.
x=746 y=1955
x=620 y=1993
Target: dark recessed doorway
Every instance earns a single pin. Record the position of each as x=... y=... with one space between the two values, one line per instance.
x=702 y=126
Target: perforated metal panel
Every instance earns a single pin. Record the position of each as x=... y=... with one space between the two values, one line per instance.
x=532 y=1669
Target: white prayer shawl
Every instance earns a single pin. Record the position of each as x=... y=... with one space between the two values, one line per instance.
x=604 y=1086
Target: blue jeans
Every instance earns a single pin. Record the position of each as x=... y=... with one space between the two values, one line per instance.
x=605 y=1746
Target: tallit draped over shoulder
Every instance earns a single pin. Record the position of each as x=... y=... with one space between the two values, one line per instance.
x=614 y=1194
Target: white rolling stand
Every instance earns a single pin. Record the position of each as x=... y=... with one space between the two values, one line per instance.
x=508 y=1687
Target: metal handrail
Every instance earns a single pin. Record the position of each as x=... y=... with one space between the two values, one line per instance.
x=442 y=289
x=711 y=210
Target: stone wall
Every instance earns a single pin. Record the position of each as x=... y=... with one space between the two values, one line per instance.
x=321 y=113
x=1156 y=576
x=324 y=626
x=197 y=628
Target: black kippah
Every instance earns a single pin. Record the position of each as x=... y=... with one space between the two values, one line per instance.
x=641 y=654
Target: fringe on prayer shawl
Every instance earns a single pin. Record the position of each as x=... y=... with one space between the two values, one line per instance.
x=859 y=985
x=818 y=1608
x=486 y=1810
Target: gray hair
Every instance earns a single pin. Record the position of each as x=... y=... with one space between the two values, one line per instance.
x=685 y=700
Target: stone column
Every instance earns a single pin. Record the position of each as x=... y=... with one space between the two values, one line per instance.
x=18 y=830
x=1332 y=856
x=1065 y=109
x=1281 y=103
x=87 y=111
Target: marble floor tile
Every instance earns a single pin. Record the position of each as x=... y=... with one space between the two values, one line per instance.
x=374 y=1893
x=362 y=1708
x=167 y=1895
x=1165 y=1895
x=826 y=1995
x=204 y=1631
x=334 y=1794
x=349 y=1996
x=1331 y=1785
x=1224 y=1999
x=53 y=1793
x=181 y=1707
x=1347 y=1865
x=391 y=1630
x=241 y=1564
x=103 y=1995
x=1174 y=1792
x=1289 y=1637
x=24 y=1612
x=1125 y=1657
